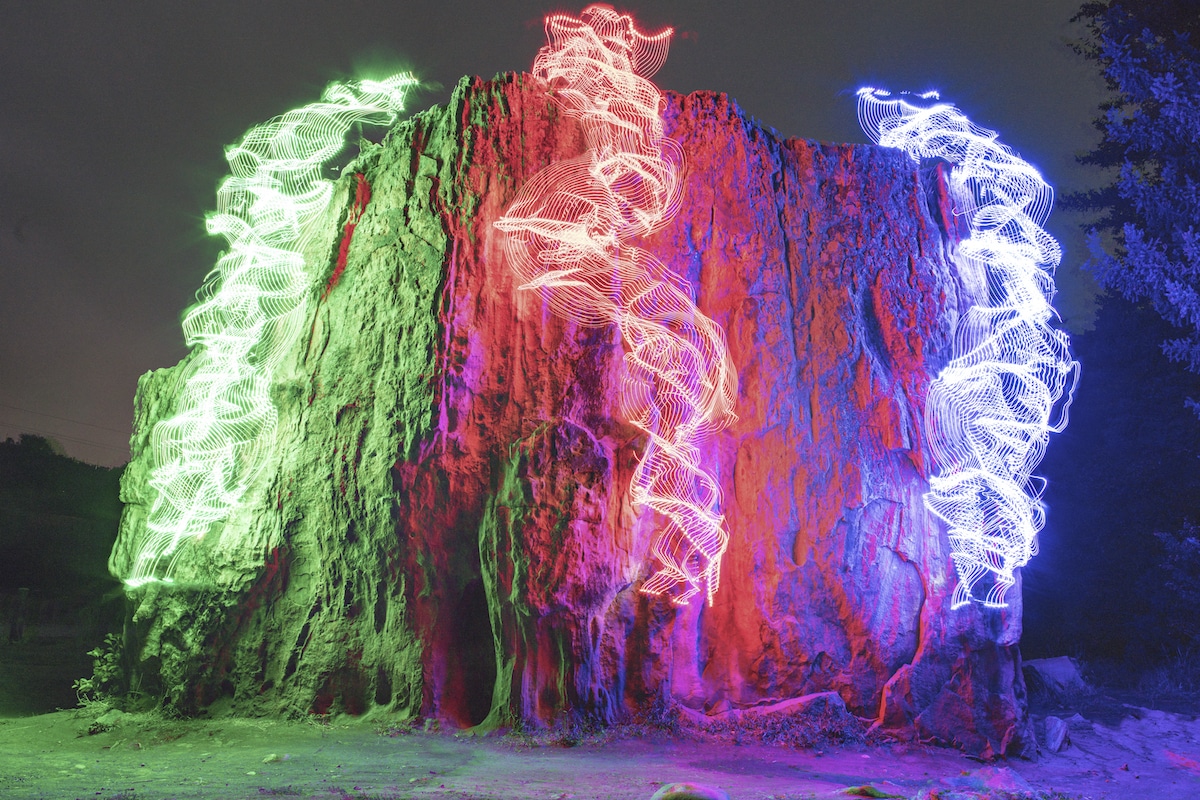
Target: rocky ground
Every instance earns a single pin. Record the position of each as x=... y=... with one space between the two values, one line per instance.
x=1115 y=746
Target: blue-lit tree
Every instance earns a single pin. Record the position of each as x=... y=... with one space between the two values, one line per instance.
x=1150 y=56
x=1146 y=246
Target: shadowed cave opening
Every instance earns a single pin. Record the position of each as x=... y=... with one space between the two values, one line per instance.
x=472 y=654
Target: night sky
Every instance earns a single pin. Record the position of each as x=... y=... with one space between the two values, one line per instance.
x=114 y=116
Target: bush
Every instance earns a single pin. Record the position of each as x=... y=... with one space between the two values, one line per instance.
x=1177 y=598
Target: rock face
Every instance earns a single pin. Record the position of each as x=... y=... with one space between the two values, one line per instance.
x=446 y=530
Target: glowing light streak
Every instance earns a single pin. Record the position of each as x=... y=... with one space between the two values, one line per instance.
x=988 y=413
x=269 y=210
x=569 y=233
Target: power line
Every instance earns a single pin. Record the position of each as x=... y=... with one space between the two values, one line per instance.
x=25 y=429
x=64 y=419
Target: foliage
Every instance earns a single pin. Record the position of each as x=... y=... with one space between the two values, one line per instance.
x=108 y=676
x=393 y=730
x=1173 y=683
x=1178 y=597
x=58 y=521
x=1124 y=468
x=661 y=716
x=1150 y=57
x=571 y=729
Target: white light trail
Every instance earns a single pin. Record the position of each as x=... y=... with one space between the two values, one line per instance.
x=569 y=238
x=988 y=413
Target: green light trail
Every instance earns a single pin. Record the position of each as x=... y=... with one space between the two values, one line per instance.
x=250 y=310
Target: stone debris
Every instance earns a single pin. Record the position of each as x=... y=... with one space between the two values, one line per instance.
x=985 y=783
x=689 y=791
x=1077 y=722
x=111 y=718
x=869 y=790
x=1058 y=734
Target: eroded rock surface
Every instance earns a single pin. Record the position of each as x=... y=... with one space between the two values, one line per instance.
x=446 y=529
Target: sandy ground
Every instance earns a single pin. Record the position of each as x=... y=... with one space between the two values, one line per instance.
x=1147 y=754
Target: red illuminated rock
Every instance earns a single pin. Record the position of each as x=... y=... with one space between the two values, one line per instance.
x=447 y=527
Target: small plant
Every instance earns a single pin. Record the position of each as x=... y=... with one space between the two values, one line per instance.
x=576 y=728
x=394 y=729
x=830 y=725
x=1104 y=673
x=824 y=723
x=571 y=730
x=107 y=674
x=661 y=716
x=1177 y=679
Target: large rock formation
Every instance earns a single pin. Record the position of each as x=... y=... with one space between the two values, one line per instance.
x=445 y=529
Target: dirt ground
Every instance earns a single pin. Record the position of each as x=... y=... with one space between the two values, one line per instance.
x=1118 y=749
x=1147 y=754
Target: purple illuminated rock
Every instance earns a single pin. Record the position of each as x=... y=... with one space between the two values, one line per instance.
x=447 y=527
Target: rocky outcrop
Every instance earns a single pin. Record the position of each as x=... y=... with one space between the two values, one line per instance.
x=445 y=529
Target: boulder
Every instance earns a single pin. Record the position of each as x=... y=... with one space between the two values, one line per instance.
x=690 y=791
x=1054 y=678
x=445 y=529
x=1058 y=734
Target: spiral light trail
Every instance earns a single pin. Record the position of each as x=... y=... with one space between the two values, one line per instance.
x=569 y=238
x=988 y=413
x=269 y=210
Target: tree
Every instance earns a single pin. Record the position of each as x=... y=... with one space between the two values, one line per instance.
x=1150 y=56
x=1123 y=469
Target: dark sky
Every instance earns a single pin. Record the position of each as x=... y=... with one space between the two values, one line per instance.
x=114 y=116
